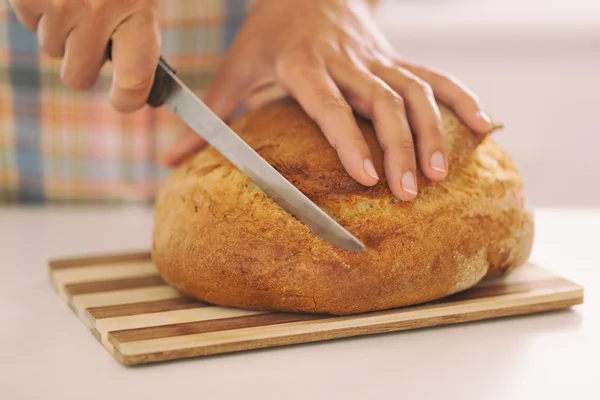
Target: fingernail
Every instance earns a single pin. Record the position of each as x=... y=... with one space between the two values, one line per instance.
x=408 y=183
x=370 y=169
x=437 y=162
x=484 y=117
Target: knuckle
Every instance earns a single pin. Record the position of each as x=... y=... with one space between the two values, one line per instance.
x=305 y=47
x=44 y=44
x=59 y=5
x=357 y=138
x=282 y=67
x=327 y=46
x=67 y=10
x=434 y=129
x=462 y=98
x=416 y=84
x=52 y=51
x=135 y=81
x=297 y=62
x=462 y=93
x=126 y=107
x=96 y=5
x=383 y=95
x=21 y=11
x=77 y=81
x=51 y=47
x=347 y=142
x=441 y=76
x=285 y=67
x=332 y=103
x=406 y=145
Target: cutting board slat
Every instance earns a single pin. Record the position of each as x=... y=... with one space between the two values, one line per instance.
x=140 y=319
x=149 y=307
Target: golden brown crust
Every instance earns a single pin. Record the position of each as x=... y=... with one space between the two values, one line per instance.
x=220 y=239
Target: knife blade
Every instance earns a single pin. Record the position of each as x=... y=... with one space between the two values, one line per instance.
x=168 y=90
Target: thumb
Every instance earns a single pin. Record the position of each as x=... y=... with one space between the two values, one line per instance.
x=225 y=94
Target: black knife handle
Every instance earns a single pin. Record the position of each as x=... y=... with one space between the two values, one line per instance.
x=161 y=87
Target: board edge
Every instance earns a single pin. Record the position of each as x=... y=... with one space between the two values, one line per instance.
x=575 y=298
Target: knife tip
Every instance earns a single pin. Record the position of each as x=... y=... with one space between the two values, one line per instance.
x=353 y=245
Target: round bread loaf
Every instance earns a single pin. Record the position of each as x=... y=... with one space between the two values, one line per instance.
x=220 y=239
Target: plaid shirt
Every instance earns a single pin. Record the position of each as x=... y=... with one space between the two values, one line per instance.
x=58 y=145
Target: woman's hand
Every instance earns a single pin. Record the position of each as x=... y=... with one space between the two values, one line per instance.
x=330 y=56
x=79 y=31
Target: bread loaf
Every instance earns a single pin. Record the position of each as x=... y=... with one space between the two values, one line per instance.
x=220 y=239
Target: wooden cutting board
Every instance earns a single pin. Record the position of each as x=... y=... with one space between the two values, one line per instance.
x=139 y=319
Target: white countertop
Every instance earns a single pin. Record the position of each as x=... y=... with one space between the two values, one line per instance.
x=48 y=354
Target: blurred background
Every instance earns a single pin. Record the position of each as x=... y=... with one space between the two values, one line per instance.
x=535 y=64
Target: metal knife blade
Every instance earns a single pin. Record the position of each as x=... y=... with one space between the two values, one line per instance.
x=171 y=92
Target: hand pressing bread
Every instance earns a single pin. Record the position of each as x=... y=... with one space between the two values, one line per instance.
x=331 y=57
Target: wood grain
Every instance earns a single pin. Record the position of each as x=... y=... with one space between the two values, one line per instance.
x=149 y=307
x=141 y=353
x=499 y=290
x=106 y=259
x=139 y=319
x=214 y=325
x=336 y=327
x=94 y=272
x=134 y=323
x=79 y=303
x=114 y=284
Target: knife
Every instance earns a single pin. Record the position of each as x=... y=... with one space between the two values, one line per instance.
x=170 y=91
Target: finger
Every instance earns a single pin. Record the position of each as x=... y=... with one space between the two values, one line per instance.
x=187 y=145
x=229 y=88
x=84 y=55
x=316 y=92
x=135 y=54
x=386 y=109
x=53 y=29
x=263 y=95
x=27 y=12
x=424 y=117
x=456 y=96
